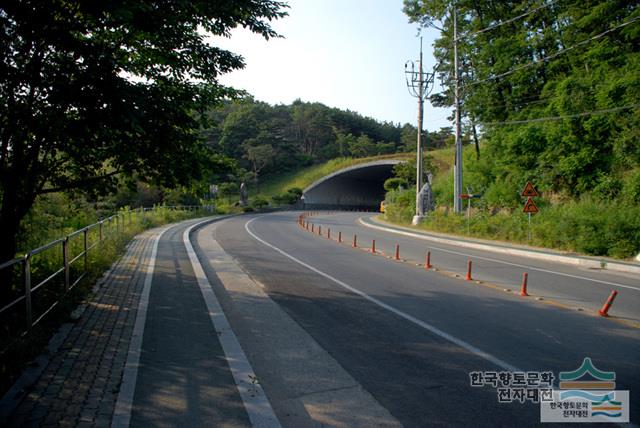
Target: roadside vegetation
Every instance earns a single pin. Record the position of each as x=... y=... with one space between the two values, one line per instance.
x=593 y=223
x=52 y=217
x=568 y=124
x=278 y=147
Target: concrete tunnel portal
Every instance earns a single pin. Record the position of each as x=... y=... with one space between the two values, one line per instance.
x=356 y=187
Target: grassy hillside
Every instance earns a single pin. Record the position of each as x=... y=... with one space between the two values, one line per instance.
x=588 y=224
x=307 y=176
x=442 y=158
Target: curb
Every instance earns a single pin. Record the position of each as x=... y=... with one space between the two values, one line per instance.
x=559 y=258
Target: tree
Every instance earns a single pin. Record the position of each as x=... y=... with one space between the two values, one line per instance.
x=260 y=155
x=300 y=133
x=312 y=126
x=93 y=90
x=409 y=138
x=343 y=142
x=394 y=183
x=362 y=146
x=551 y=86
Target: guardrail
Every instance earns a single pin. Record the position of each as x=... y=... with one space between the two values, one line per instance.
x=74 y=248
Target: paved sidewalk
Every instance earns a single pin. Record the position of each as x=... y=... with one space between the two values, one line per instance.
x=79 y=385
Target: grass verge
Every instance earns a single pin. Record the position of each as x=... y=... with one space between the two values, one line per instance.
x=587 y=226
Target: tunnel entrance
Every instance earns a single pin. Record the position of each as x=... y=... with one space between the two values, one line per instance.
x=356 y=187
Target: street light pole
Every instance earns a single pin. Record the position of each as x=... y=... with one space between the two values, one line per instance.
x=418 y=83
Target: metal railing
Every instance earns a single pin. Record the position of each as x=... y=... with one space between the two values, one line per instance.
x=74 y=248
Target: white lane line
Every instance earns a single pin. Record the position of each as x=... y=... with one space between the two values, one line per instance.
x=435 y=330
x=424 y=238
x=253 y=396
x=124 y=403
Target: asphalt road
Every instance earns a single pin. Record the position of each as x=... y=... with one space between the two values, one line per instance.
x=337 y=336
x=574 y=286
x=411 y=337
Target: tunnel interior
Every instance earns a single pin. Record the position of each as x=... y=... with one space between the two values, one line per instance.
x=358 y=187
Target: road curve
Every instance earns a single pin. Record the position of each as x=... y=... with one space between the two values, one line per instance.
x=410 y=337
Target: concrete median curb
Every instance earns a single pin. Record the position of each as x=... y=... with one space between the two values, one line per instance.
x=590 y=263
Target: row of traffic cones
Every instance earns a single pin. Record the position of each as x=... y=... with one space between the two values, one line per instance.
x=604 y=311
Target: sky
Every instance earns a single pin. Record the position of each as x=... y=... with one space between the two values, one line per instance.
x=348 y=54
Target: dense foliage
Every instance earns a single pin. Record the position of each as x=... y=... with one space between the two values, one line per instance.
x=267 y=140
x=95 y=90
x=552 y=89
x=555 y=92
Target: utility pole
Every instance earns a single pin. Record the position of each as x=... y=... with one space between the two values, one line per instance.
x=418 y=83
x=457 y=166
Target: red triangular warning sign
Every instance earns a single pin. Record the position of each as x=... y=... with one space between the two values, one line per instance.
x=530 y=207
x=529 y=190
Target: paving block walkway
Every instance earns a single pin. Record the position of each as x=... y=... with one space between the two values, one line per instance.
x=79 y=384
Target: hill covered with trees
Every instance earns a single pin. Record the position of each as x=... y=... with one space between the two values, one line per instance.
x=266 y=140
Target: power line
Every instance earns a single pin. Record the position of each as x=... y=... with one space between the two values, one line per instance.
x=548 y=57
x=513 y=105
x=526 y=103
x=569 y=116
x=532 y=100
x=508 y=21
x=518 y=101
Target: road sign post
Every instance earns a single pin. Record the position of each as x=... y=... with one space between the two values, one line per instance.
x=468 y=197
x=469 y=216
x=530 y=206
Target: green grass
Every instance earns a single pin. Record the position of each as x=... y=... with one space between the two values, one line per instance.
x=443 y=159
x=586 y=226
x=307 y=176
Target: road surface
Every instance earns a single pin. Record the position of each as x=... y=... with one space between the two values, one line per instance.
x=335 y=335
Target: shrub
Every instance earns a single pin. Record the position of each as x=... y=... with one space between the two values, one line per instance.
x=227 y=190
x=502 y=193
x=295 y=191
x=400 y=205
x=589 y=226
x=607 y=188
x=290 y=197
x=631 y=188
x=259 y=202
x=443 y=188
x=394 y=183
